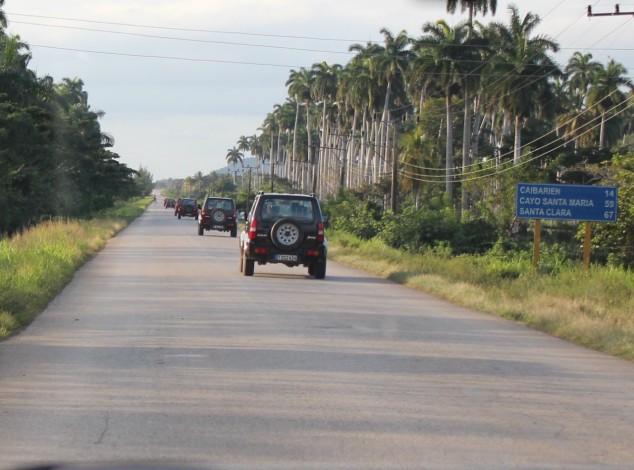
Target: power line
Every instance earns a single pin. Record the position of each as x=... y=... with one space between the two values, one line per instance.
x=194 y=30
x=150 y=56
x=617 y=12
x=528 y=144
x=526 y=161
x=172 y=38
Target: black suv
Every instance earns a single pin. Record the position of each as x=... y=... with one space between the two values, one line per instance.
x=286 y=229
x=187 y=208
x=218 y=213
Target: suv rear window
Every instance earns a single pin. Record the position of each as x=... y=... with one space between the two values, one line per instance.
x=277 y=208
x=223 y=204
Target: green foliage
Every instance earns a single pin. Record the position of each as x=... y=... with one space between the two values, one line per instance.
x=590 y=307
x=144 y=181
x=474 y=236
x=350 y=214
x=55 y=159
x=411 y=229
x=37 y=263
x=615 y=241
x=358 y=220
x=223 y=186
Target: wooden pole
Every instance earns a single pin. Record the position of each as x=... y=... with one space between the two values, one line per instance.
x=537 y=236
x=586 y=245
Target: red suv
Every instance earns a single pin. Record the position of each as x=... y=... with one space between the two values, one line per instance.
x=187 y=208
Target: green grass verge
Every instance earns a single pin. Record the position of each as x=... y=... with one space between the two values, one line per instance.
x=592 y=307
x=38 y=263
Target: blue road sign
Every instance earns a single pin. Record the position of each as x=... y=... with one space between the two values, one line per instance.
x=566 y=202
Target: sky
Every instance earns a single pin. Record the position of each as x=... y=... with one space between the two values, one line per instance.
x=180 y=81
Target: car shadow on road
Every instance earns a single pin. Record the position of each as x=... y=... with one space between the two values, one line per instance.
x=342 y=279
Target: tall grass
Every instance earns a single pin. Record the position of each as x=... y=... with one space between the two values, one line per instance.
x=36 y=265
x=592 y=307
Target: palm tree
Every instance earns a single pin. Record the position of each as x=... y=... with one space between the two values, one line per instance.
x=574 y=116
x=285 y=118
x=3 y=16
x=197 y=182
x=16 y=79
x=14 y=54
x=269 y=129
x=473 y=6
x=388 y=63
x=256 y=148
x=605 y=92
x=243 y=143
x=299 y=86
x=579 y=71
x=324 y=89
x=439 y=54
x=523 y=61
x=233 y=157
x=360 y=89
x=72 y=93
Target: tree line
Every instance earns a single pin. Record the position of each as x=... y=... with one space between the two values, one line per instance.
x=54 y=158
x=453 y=119
x=444 y=103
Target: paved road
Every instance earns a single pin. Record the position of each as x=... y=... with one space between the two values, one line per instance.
x=160 y=350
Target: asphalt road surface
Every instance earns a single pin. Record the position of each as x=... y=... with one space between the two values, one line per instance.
x=160 y=350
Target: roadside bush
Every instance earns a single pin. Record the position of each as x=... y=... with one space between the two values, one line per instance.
x=344 y=239
x=36 y=263
x=474 y=236
x=413 y=229
x=356 y=219
x=616 y=240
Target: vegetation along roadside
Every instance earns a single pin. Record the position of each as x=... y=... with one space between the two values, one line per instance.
x=37 y=263
x=591 y=307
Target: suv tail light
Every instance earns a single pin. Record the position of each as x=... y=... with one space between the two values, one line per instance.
x=252 y=230
x=320 y=233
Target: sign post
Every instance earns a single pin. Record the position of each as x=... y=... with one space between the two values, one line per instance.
x=537 y=238
x=586 y=245
x=569 y=202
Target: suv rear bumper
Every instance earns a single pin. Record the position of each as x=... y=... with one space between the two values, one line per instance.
x=299 y=257
x=209 y=224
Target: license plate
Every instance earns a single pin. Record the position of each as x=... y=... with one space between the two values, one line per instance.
x=286 y=257
x=218 y=226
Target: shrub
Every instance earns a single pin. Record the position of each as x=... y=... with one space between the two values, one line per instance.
x=474 y=236
x=413 y=229
x=356 y=219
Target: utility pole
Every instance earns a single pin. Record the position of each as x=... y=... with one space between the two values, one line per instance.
x=248 y=209
x=617 y=12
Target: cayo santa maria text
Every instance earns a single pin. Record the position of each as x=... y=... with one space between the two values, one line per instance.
x=566 y=202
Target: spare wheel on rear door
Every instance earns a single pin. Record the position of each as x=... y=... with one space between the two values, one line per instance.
x=287 y=234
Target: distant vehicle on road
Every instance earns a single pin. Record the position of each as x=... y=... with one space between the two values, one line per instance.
x=187 y=208
x=169 y=202
x=218 y=213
